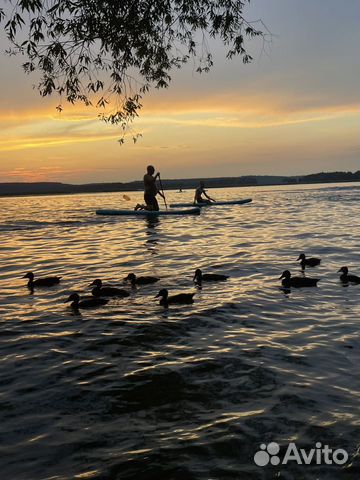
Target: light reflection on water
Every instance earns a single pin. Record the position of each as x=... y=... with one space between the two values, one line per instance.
x=135 y=391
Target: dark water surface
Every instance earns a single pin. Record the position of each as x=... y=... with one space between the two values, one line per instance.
x=134 y=391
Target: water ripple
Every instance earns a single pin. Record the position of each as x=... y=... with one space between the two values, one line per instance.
x=135 y=391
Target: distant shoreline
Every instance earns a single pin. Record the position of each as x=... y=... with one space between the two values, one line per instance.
x=20 y=189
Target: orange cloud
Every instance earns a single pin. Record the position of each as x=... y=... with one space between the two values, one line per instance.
x=78 y=129
x=166 y=105
x=45 y=173
x=41 y=174
x=275 y=104
x=30 y=143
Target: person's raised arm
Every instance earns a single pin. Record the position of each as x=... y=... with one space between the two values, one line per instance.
x=208 y=197
x=161 y=194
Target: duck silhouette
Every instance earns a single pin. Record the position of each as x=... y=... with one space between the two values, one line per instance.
x=346 y=278
x=297 y=282
x=100 y=291
x=134 y=280
x=90 y=302
x=200 y=277
x=308 y=262
x=41 y=282
x=180 y=298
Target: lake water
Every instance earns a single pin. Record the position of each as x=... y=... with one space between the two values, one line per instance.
x=136 y=391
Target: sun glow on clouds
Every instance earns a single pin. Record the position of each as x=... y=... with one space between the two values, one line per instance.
x=294 y=110
x=41 y=174
x=248 y=119
x=41 y=129
x=73 y=146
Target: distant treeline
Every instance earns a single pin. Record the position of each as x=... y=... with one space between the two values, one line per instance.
x=332 y=177
x=61 y=188
x=46 y=188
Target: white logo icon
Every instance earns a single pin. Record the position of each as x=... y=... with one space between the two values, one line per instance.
x=266 y=454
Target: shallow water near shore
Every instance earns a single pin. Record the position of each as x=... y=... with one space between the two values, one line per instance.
x=135 y=391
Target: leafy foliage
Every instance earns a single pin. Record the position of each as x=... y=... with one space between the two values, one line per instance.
x=109 y=53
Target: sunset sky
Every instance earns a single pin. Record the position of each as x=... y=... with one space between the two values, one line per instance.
x=294 y=110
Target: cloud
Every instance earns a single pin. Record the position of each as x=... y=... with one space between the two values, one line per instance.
x=50 y=173
x=51 y=141
x=41 y=174
x=250 y=117
x=38 y=129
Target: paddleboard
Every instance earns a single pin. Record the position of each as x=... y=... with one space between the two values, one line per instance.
x=147 y=213
x=229 y=202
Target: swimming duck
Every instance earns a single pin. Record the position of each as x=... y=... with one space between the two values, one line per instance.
x=92 y=302
x=180 y=298
x=346 y=278
x=100 y=291
x=308 y=262
x=41 y=282
x=208 y=277
x=140 y=280
x=297 y=282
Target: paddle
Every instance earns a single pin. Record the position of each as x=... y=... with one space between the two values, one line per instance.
x=162 y=191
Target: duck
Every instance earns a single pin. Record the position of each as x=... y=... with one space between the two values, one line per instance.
x=41 y=282
x=346 y=278
x=208 y=277
x=91 y=302
x=180 y=298
x=140 y=280
x=100 y=291
x=308 y=262
x=297 y=282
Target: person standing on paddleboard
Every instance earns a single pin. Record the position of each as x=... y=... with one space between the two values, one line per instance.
x=150 y=191
x=201 y=191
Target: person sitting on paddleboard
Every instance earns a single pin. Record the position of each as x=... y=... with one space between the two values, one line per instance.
x=150 y=191
x=201 y=191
